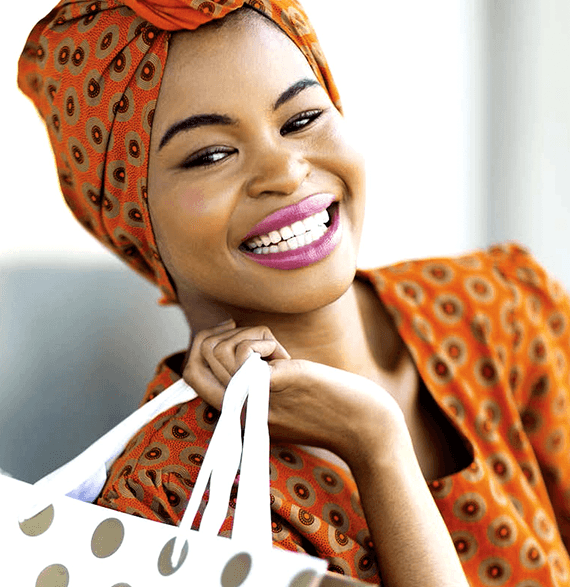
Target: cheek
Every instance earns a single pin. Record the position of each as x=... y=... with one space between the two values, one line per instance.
x=192 y=202
x=192 y=218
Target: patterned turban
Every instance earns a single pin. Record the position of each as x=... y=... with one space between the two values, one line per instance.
x=93 y=69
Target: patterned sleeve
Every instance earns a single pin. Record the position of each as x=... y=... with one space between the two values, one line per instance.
x=540 y=320
x=155 y=474
x=154 y=477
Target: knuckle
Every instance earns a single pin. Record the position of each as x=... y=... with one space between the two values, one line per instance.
x=243 y=346
x=220 y=350
x=208 y=345
x=199 y=337
x=190 y=379
x=266 y=332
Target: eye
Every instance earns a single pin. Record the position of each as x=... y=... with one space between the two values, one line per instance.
x=300 y=121
x=207 y=157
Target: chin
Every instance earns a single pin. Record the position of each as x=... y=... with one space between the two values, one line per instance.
x=311 y=289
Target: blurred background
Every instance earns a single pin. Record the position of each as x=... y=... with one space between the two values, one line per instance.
x=462 y=108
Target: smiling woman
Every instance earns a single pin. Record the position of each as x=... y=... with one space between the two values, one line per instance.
x=418 y=413
x=243 y=147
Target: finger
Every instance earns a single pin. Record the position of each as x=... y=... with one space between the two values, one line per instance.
x=223 y=327
x=200 y=377
x=197 y=372
x=230 y=352
x=218 y=351
x=199 y=338
x=202 y=355
x=245 y=348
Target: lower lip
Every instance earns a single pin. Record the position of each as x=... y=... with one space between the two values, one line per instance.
x=303 y=256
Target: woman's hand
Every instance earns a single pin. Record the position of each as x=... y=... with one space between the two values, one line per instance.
x=310 y=403
x=318 y=405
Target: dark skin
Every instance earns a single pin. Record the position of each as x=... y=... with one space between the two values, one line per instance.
x=341 y=377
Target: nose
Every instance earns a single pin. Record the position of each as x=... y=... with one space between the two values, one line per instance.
x=278 y=169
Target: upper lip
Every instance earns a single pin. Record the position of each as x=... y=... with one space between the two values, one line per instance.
x=290 y=214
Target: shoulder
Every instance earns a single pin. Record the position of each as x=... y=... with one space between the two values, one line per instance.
x=479 y=279
x=497 y=305
x=160 y=464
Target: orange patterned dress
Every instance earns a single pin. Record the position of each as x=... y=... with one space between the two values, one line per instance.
x=490 y=335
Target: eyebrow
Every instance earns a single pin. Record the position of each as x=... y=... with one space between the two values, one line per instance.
x=199 y=120
x=195 y=122
x=295 y=89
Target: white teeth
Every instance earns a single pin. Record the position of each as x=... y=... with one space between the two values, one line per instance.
x=323 y=217
x=298 y=228
x=300 y=233
x=286 y=233
x=275 y=237
x=309 y=222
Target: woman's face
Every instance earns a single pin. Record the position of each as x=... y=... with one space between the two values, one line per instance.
x=247 y=153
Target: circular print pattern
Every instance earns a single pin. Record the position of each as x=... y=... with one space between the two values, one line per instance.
x=236 y=570
x=411 y=292
x=531 y=555
x=470 y=507
x=303 y=579
x=164 y=562
x=494 y=571
x=465 y=544
x=39 y=523
x=502 y=531
x=448 y=308
x=438 y=273
x=480 y=289
x=455 y=350
x=328 y=480
x=287 y=457
x=53 y=576
x=107 y=538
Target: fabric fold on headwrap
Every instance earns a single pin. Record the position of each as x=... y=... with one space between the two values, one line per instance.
x=93 y=70
x=173 y=15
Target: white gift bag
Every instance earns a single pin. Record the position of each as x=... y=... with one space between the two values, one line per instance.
x=51 y=535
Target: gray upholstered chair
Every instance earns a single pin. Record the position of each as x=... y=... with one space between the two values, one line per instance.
x=78 y=344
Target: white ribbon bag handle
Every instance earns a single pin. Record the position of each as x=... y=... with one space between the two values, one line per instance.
x=252 y=519
x=83 y=477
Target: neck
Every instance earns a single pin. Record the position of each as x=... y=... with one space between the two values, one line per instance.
x=354 y=333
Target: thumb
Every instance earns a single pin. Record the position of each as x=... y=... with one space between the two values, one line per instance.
x=269 y=349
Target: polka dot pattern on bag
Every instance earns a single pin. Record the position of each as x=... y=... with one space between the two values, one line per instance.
x=107 y=539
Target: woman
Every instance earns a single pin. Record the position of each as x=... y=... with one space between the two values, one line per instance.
x=447 y=371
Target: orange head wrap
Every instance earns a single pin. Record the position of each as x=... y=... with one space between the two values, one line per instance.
x=93 y=70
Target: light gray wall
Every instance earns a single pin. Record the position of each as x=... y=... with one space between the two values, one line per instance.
x=529 y=128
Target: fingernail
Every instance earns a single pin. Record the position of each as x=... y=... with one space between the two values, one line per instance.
x=226 y=322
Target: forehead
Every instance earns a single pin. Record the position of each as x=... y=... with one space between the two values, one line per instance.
x=243 y=59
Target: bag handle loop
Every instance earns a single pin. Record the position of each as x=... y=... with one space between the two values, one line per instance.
x=252 y=520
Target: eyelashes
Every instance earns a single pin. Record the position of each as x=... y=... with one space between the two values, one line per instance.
x=208 y=157
x=215 y=155
x=300 y=121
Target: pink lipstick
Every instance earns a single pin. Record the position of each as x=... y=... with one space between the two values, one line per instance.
x=309 y=237
x=291 y=214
